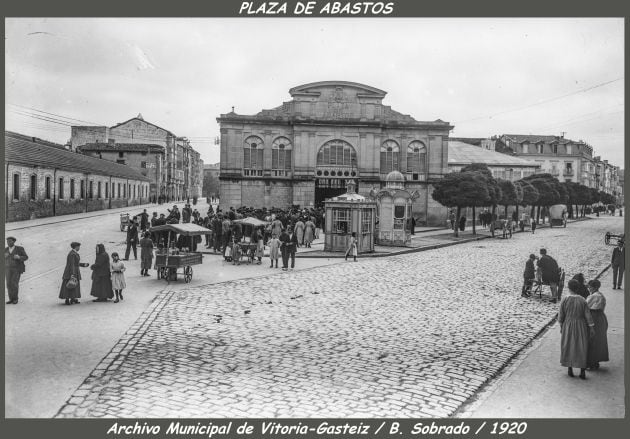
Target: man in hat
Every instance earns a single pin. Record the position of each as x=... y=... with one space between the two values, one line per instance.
x=14 y=257
x=550 y=273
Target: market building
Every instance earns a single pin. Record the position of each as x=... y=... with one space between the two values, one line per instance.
x=44 y=179
x=305 y=150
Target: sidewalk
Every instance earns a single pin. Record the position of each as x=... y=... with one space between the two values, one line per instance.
x=535 y=385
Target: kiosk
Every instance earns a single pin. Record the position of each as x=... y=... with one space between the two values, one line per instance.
x=349 y=213
x=394 y=205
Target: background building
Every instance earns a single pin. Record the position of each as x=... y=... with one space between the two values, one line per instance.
x=44 y=179
x=147 y=159
x=179 y=177
x=211 y=180
x=506 y=167
x=566 y=159
x=304 y=151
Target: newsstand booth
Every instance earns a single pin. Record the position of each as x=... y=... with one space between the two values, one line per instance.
x=349 y=213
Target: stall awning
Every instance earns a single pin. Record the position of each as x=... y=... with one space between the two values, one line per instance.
x=186 y=229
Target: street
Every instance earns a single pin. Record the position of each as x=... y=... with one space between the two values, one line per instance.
x=50 y=348
x=415 y=335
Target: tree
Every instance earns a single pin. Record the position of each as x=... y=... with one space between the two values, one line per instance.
x=549 y=191
x=461 y=189
x=494 y=191
x=530 y=193
x=509 y=196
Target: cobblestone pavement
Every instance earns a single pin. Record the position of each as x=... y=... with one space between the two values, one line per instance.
x=414 y=335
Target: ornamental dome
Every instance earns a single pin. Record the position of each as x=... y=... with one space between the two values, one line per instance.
x=395 y=180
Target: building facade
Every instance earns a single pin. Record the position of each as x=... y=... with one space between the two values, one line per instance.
x=44 y=179
x=305 y=150
x=147 y=159
x=180 y=177
x=566 y=159
x=211 y=180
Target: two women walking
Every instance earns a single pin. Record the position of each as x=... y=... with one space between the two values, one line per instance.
x=583 y=326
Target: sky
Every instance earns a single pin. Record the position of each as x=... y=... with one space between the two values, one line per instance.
x=486 y=77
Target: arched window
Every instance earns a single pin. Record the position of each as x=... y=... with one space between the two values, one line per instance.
x=416 y=158
x=72 y=188
x=60 y=190
x=98 y=190
x=337 y=153
x=33 y=187
x=281 y=157
x=253 y=156
x=390 y=157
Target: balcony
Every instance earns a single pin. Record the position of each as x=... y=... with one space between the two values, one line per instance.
x=568 y=172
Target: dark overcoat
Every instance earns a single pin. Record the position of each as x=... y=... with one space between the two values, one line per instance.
x=72 y=268
x=101 y=277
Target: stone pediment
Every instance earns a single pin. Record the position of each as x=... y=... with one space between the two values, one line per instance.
x=335 y=102
x=336 y=91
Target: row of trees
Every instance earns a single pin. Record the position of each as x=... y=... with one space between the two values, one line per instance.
x=474 y=186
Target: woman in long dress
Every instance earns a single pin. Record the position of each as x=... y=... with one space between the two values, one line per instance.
x=299 y=231
x=309 y=232
x=72 y=295
x=576 y=327
x=274 y=250
x=101 y=276
x=598 y=345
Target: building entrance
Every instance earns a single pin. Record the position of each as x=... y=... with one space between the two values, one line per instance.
x=330 y=187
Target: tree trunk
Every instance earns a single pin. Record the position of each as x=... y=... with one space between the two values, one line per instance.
x=459 y=211
x=517 y=212
x=506 y=211
x=473 y=221
x=532 y=214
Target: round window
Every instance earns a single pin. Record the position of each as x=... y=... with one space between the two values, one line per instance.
x=346 y=173
x=319 y=172
x=326 y=173
x=353 y=174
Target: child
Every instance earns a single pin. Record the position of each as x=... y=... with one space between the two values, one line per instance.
x=274 y=249
x=528 y=276
x=118 y=278
x=352 y=247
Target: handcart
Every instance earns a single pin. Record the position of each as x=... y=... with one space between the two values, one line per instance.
x=169 y=261
x=504 y=226
x=538 y=285
x=124 y=221
x=608 y=236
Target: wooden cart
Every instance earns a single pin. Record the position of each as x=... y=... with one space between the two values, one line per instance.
x=169 y=266
x=172 y=261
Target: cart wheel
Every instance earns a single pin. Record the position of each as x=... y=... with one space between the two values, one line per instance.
x=159 y=273
x=188 y=272
x=607 y=238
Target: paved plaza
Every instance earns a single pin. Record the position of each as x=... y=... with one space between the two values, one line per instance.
x=415 y=335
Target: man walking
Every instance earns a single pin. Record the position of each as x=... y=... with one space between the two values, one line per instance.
x=14 y=257
x=132 y=240
x=550 y=273
x=288 y=247
x=618 y=264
